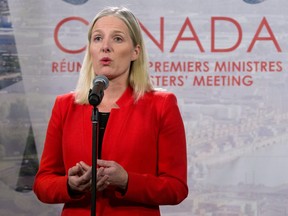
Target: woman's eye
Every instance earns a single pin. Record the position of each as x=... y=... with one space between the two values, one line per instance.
x=97 y=38
x=118 y=39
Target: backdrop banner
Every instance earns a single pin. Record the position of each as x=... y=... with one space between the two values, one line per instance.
x=226 y=61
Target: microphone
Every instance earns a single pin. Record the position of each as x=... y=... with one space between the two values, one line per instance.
x=100 y=83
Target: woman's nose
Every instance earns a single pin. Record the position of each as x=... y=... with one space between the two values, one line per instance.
x=106 y=49
x=106 y=46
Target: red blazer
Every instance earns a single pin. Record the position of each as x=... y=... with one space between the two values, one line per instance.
x=147 y=138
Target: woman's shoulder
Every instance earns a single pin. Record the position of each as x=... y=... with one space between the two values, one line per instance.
x=67 y=98
x=159 y=93
x=160 y=97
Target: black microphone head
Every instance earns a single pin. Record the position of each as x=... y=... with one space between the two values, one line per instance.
x=103 y=79
x=95 y=96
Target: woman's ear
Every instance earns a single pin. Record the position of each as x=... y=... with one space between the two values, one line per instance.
x=136 y=52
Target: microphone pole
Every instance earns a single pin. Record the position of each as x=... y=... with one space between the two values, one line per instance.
x=95 y=135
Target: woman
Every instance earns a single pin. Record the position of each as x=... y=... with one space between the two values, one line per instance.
x=143 y=150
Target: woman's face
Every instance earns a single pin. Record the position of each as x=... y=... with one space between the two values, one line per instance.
x=111 y=48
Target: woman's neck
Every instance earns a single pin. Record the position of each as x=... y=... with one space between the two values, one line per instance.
x=111 y=95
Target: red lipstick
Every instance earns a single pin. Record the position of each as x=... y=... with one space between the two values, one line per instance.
x=105 y=60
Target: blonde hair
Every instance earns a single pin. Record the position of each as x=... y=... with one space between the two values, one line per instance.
x=139 y=78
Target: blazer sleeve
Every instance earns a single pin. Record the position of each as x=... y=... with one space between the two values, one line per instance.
x=50 y=185
x=169 y=185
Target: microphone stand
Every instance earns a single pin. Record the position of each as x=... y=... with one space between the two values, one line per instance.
x=100 y=83
x=95 y=135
